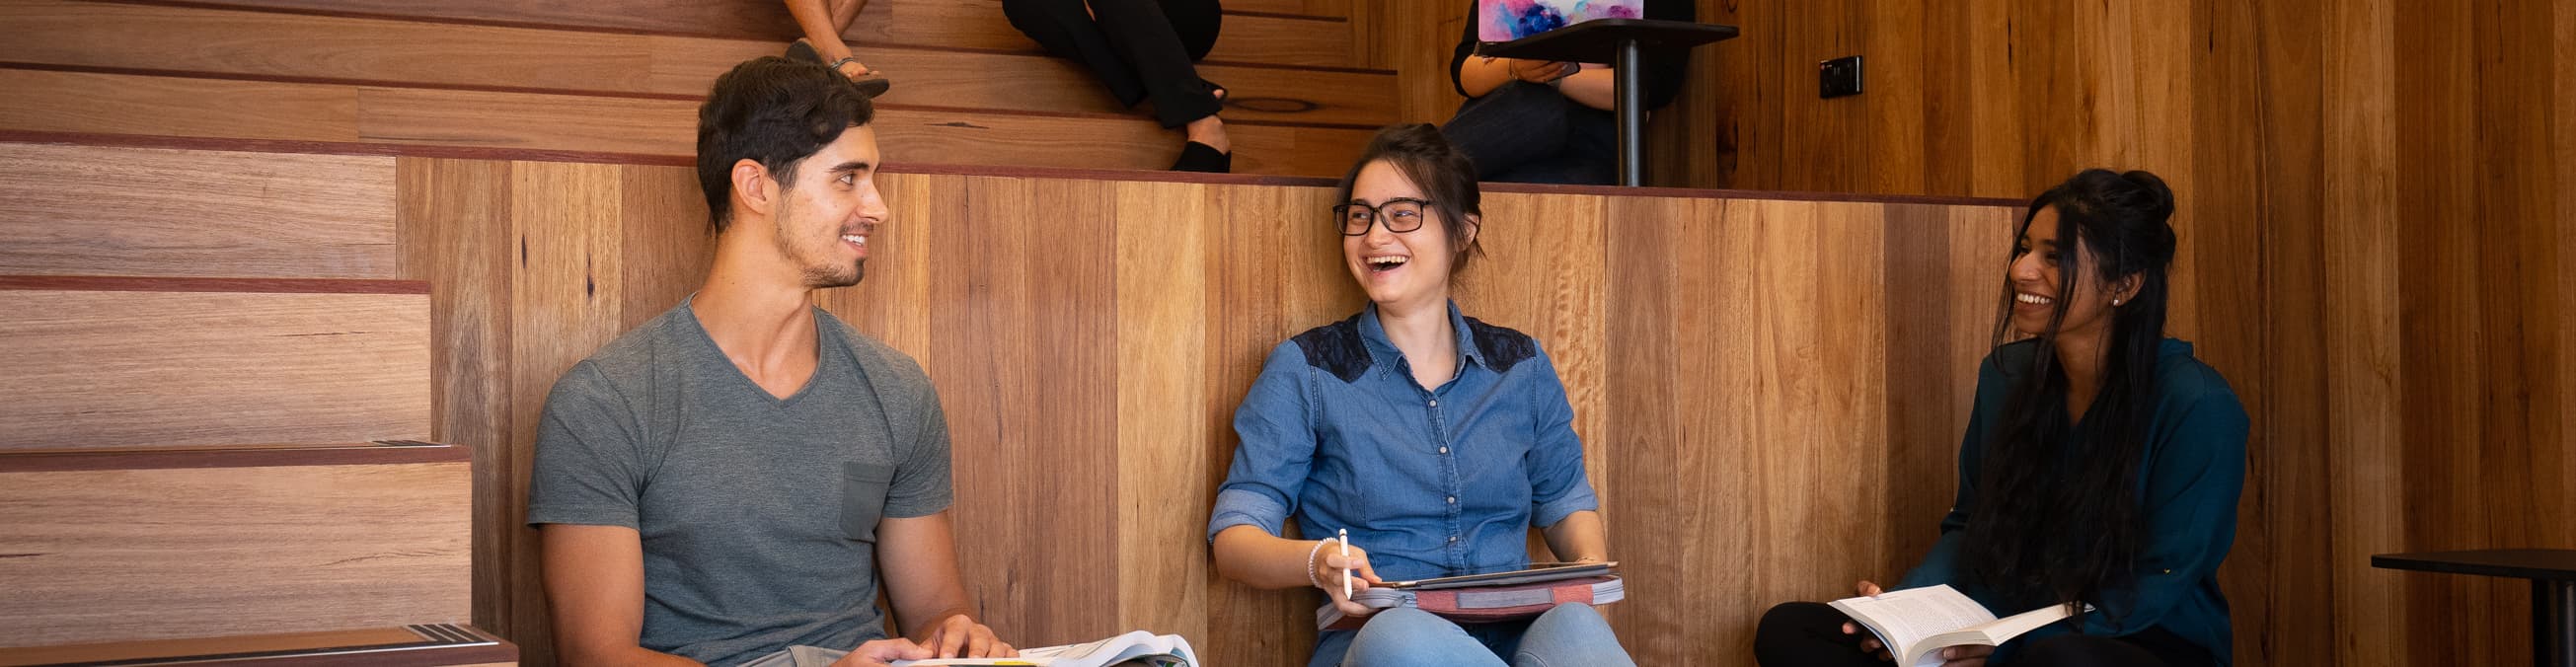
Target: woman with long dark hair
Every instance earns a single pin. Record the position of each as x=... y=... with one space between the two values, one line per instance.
x=2101 y=465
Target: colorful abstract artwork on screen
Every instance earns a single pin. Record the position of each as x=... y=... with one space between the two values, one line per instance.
x=1507 y=20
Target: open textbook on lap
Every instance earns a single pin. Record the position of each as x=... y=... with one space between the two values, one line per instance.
x=1917 y=623
x=1137 y=648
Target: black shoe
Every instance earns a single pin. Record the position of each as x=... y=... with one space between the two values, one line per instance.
x=1203 y=158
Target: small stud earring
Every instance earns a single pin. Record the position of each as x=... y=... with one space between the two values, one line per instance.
x=2115 y=302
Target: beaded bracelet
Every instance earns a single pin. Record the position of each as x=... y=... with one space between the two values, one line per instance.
x=1310 y=562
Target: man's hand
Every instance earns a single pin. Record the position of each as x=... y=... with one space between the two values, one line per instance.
x=962 y=637
x=878 y=653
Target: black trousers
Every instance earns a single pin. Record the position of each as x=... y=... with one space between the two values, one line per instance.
x=1811 y=634
x=1525 y=132
x=1140 y=49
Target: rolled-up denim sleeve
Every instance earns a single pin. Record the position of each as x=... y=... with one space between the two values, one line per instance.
x=1276 y=434
x=1558 y=485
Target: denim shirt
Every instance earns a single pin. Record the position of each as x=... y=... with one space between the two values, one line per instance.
x=1432 y=483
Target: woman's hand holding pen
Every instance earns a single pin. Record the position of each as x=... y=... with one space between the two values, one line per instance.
x=1328 y=567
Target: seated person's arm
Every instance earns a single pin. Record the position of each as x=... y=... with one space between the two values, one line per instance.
x=595 y=586
x=1596 y=87
x=919 y=558
x=1579 y=538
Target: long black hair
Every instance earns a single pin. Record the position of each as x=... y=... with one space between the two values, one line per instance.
x=2056 y=518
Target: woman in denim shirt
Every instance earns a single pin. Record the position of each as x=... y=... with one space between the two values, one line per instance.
x=1435 y=439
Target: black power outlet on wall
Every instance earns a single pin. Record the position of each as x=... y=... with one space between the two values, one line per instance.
x=1839 y=77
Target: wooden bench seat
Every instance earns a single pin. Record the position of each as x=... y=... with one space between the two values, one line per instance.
x=1248 y=38
x=387 y=52
x=663 y=131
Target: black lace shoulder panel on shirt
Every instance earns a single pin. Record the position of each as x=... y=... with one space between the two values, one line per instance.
x=1336 y=348
x=1502 y=347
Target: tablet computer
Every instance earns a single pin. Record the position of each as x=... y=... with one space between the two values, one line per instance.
x=1535 y=573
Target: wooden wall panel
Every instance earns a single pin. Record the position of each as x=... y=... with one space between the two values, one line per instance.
x=1272 y=279
x=139 y=212
x=102 y=555
x=1164 y=259
x=269 y=368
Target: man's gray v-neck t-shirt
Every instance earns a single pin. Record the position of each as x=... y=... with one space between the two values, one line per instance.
x=758 y=514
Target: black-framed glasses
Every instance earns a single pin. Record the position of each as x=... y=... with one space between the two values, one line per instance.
x=1400 y=215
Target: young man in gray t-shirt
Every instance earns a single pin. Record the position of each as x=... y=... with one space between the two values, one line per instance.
x=723 y=482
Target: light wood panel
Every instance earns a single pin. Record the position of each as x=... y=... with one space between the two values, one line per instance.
x=397 y=52
x=104 y=555
x=211 y=368
x=628 y=128
x=1163 y=250
x=137 y=212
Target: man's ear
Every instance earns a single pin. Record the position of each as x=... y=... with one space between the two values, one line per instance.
x=753 y=186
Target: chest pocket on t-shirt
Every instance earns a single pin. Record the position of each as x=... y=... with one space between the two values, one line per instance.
x=863 y=495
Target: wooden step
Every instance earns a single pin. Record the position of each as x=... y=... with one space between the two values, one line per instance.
x=114 y=211
x=422 y=645
x=411 y=53
x=973 y=24
x=99 y=362
x=498 y=124
x=1331 y=9
x=127 y=545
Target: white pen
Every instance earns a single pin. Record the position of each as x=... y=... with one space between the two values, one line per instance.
x=1345 y=537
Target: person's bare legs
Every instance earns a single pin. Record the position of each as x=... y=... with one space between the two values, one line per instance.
x=823 y=21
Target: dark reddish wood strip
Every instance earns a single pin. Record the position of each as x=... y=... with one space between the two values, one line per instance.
x=230 y=285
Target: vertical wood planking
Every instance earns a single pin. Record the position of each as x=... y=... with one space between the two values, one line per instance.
x=2362 y=360
x=1163 y=262
x=566 y=225
x=452 y=222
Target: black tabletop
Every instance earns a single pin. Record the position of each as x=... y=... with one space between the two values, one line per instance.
x=2545 y=564
x=1597 y=40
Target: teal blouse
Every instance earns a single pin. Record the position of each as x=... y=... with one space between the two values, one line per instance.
x=2191 y=477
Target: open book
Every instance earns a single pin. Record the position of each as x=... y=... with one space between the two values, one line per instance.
x=1917 y=623
x=1146 y=648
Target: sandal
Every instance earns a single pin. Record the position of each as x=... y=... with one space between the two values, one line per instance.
x=869 y=84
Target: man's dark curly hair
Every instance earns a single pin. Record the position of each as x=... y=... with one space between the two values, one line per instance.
x=774 y=111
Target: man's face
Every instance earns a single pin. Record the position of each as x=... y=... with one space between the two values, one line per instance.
x=824 y=221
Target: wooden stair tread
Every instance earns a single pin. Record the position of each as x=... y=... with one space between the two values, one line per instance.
x=259 y=455
x=514 y=121
x=133 y=362
x=398 y=53
x=424 y=644
x=249 y=544
x=977 y=24
x=87 y=210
